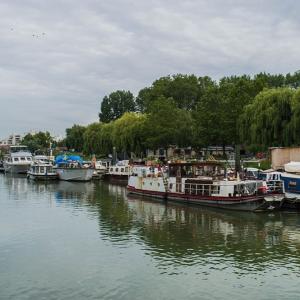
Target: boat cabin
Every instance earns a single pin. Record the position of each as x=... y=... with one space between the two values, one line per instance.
x=41 y=169
x=207 y=178
x=121 y=168
x=222 y=188
x=212 y=169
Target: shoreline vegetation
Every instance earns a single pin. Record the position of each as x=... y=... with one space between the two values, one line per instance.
x=189 y=111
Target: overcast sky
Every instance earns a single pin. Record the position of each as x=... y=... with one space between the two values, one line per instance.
x=58 y=59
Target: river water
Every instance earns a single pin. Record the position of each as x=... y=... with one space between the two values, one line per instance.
x=91 y=241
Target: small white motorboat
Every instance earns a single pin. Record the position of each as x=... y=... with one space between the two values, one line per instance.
x=42 y=171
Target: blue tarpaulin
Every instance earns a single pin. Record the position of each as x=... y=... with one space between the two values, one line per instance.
x=68 y=158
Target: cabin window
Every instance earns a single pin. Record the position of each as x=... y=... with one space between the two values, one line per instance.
x=111 y=169
x=16 y=159
x=150 y=183
x=42 y=169
x=122 y=170
x=158 y=184
x=215 y=189
x=171 y=186
x=117 y=169
x=126 y=169
x=29 y=158
x=23 y=158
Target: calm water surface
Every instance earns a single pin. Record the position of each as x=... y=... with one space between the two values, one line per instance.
x=90 y=241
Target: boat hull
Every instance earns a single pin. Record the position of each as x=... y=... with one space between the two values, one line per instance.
x=246 y=203
x=16 y=168
x=47 y=177
x=116 y=178
x=75 y=174
x=292 y=191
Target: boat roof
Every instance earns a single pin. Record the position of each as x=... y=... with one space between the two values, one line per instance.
x=20 y=153
x=18 y=148
x=37 y=157
x=42 y=164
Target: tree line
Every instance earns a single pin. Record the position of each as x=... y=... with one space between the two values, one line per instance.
x=186 y=110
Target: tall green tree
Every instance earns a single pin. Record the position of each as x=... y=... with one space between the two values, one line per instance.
x=185 y=90
x=74 y=137
x=209 y=119
x=115 y=105
x=168 y=125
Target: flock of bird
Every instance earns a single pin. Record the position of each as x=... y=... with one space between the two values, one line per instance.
x=33 y=35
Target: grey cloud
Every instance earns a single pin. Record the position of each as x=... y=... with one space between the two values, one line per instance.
x=91 y=48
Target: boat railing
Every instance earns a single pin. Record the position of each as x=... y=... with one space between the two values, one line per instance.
x=275 y=186
x=208 y=189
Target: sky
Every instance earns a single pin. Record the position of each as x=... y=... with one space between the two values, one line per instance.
x=58 y=59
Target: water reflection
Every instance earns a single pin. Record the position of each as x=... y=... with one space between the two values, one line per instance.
x=191 y=235
x=178 y=234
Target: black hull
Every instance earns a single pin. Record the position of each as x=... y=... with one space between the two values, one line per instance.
x=120 y=179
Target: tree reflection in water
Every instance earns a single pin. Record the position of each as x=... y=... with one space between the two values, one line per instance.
x=179 y=234
x=182 y=234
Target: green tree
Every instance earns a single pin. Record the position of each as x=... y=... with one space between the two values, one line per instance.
x=98 y=139
x=38 y=141
x=185 y=90
x=209 y=119
x=74 y=137
x=128 y=133
x=268 y=120
x=167 y=124
x=115 y=105
x=236 y=92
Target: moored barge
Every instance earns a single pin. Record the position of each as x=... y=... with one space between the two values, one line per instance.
x=204 y=183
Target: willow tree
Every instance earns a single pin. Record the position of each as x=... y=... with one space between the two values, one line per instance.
x=268 y=120
x=128 y=134
x=98 y=139
x=295 y=124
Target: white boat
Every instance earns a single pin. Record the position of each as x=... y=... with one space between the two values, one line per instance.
x=101 y=167
x=42 y=171
x=120 y=171
x=73 y=171
x=18 y=160
x=203 y=183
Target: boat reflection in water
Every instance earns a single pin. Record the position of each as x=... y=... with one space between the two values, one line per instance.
x=97 y=243
x=190 y=235
x=176 y=234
